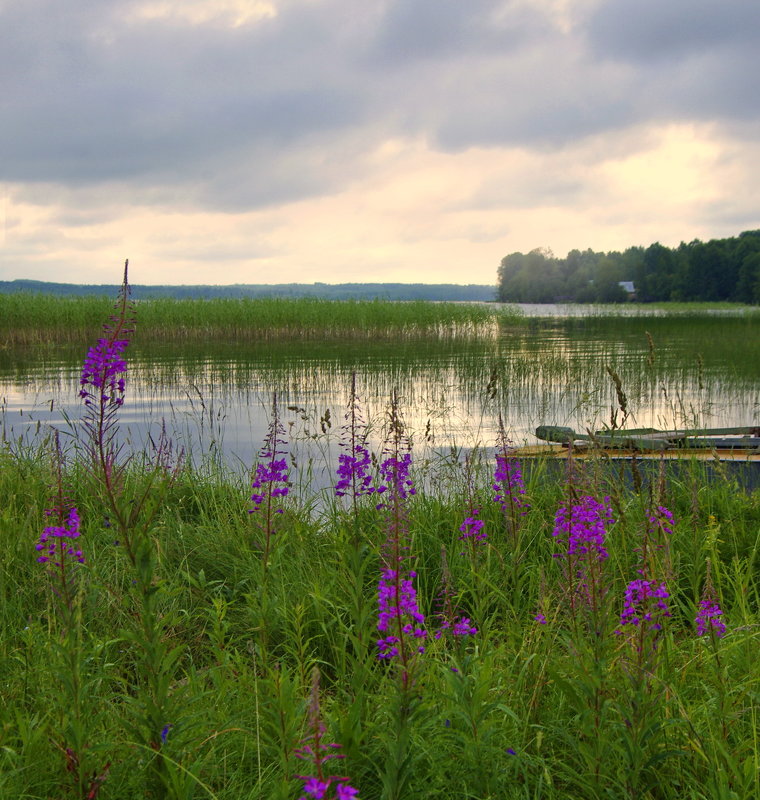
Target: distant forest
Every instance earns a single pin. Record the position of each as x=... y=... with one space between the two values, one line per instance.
x=324 y=291
x=721 y=269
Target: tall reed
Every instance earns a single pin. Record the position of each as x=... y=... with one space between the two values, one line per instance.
x=34 y=319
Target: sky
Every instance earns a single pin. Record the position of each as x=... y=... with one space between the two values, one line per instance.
x=277 y=141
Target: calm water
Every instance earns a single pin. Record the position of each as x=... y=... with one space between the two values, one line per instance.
x=216 y=399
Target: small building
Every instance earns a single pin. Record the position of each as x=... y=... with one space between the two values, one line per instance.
x=628 y=288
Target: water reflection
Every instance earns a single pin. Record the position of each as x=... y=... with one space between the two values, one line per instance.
x=215 y=399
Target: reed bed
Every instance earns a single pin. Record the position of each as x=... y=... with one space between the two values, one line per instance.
x=46 y=319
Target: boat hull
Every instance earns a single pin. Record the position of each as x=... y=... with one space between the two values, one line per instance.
x=741 y=468
x=549 y=451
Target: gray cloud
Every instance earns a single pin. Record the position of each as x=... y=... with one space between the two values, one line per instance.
x=415 y=30
x=285 y=108
x=153 y=99
x=691 y=59
x=673 y=30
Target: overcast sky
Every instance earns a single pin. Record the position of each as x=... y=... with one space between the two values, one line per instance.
x=269 y=141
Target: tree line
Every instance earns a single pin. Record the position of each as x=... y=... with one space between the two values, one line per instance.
x=322 y=291
x=718 y=270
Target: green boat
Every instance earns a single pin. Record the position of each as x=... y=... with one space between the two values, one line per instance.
x=725 y=444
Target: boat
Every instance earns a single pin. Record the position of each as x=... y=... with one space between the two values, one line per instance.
x=726 y=452
x=708 y=444
x=717 y=452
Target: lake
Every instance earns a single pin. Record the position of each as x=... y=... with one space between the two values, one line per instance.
x=553 y=367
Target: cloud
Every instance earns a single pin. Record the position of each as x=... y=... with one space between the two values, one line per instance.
x=408 y=130
x=168 y=93
x=650 y=29
x=449 y=30
x=692 y=59
x=101 y=99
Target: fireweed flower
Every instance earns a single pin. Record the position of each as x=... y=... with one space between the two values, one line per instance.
x=270 y=481
x=508 y=484
x=268 y=476
x=394 y=472
x=709 y=617
x=56 y=543
x=460 y=627
x=315 y=750
x=472 y=528
x=451 y=622
x=102 y=387
x=355 y=462
x=398 y=612
x=400 y=621
x=661 y=518
x=582 y=528
x=654 y=554
x=103 y=372
x=353 y=474
x=709 y=614
x=645 y=605
x=104 y=369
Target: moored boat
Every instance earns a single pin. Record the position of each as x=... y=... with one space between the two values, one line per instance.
x=723 y=444
x=715 y=453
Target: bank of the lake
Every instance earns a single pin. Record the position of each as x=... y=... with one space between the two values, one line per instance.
x=550 y=698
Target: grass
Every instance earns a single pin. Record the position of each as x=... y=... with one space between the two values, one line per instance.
x=532 y=711
x=47 y=319
x=205 y=651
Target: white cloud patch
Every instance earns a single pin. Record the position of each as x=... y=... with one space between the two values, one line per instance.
x=234 y=13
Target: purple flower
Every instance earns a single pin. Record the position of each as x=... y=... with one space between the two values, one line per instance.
x=397 y=600
x=56 y=542
x=709 y=617
x=540 y=619
x=661 y=518
x=268 y=476
x=654 y=553
x=270 y=482
x=582 y=528
x=451 y=622
x=472 y=528
x=460 y=627
x=103 y=371
x=102 y=383
x=353 y=465
x=104 y=366
x=271 y=477
x=645 y=605
x=509 y=484
x=314 y=749
x=315 y=788
x=165 y=732
x=394 y=471
x=352 y=471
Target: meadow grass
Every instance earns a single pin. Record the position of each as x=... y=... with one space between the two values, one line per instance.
x=39 y=319
x=177 y=632
x=519 y=710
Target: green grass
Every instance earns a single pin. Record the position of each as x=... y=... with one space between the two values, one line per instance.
x=37 y=318
x=533 y=711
